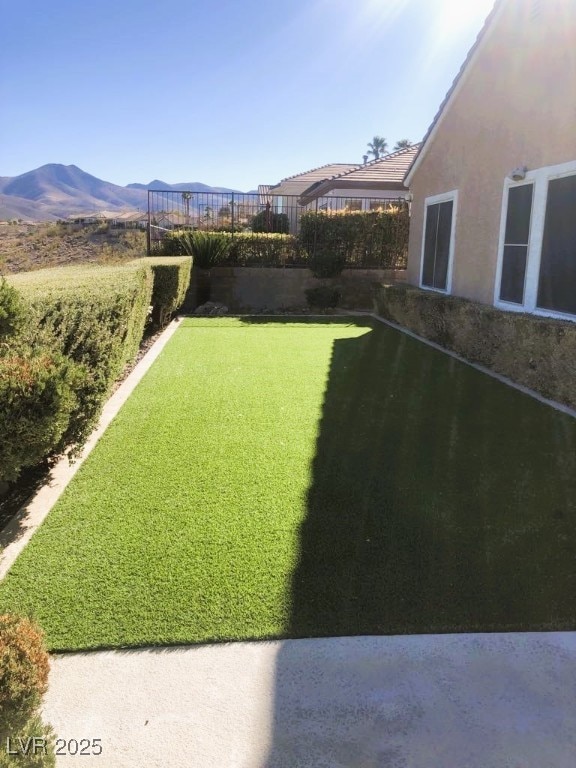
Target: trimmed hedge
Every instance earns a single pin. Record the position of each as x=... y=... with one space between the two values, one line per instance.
x=37 y=400
x=12 y=310
x=84 y=325
x=338 y=239
x=265 y=249
x=171 y=281
x=245 y=249
x=23 y=682
x=538 y=352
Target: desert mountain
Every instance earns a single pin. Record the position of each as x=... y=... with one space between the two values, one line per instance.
x=193 y=186
x=57 y=191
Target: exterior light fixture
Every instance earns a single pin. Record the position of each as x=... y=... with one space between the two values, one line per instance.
x=518 y=174
x=409 y=197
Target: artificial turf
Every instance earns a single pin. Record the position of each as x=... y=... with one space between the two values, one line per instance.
x=273 y=478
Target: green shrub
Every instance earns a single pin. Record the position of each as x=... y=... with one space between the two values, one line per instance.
x=95 y=317
x=38 y=395
x=376 y=238
x=538 y=352
x=23 y=670
x=12 y=310
x=171 y=281
x=327 y=260
x=323 y=296
x=23 y=681
x=270 y=221
x=245 y=249
x=206 y=248
x=29 y=753
x=265 y=249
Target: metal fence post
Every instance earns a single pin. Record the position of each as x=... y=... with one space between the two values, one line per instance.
x=148 y=230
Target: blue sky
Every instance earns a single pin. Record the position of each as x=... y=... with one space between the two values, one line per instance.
x=231 y=93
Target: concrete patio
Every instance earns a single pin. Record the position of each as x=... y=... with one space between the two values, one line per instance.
x=435 y=701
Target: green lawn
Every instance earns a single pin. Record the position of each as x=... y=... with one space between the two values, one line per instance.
x=273 y=478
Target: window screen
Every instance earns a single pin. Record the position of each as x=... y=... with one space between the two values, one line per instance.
x=516 y=243
x=557 y=282
x=437 y=237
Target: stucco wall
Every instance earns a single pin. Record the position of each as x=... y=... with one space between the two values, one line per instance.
x=515 y=106
x=254 y=288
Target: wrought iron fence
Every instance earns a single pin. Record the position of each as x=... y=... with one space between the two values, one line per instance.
x=269 y=230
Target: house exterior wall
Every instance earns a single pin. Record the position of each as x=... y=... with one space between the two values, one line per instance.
x=515 y=106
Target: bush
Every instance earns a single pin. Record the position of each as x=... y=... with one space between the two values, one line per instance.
x=246 y=249
x=337 y=239
x=12 y=310
x=30 y=754
x=327 y=260
x=23 y=670
x=265 y=250
x=269 y=221
x=23 y=682
x=538 y=352
x=37 y=399
x=94 y=317
x=171 y=281
x=206 y=248
x=323 y=296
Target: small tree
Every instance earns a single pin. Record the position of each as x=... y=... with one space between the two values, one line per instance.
x=402 y=144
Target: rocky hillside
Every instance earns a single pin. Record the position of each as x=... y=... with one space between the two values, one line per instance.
x=25 y=247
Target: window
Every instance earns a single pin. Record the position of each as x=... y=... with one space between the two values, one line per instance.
x=438 y=230
x=516 y=237
x=557 y=279
x=353 y=205
x=537 y=255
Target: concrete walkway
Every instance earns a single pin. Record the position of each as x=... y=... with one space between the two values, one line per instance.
x=437 y=701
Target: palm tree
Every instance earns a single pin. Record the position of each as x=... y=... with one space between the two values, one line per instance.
x=377 y=146
x=186 y=197
x=402 y=144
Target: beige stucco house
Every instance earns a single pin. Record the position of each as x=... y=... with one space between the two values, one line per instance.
x=493 y=216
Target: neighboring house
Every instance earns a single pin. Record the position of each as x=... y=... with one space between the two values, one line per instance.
x=126 y=219
x=132 y=220
x=284 y=196
x=294 y=186
x=376 y=180
x=94 y=217
x=493 y=216
x=173 y=220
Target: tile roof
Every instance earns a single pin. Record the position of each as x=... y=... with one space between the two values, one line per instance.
x=295 y=185
x=498 y=4
x=385 y=173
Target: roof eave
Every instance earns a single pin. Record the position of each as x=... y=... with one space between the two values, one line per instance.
x=321 y=188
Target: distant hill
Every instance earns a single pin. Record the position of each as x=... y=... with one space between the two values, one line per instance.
x=13 y=207
x=193 y=186
x=57 y=191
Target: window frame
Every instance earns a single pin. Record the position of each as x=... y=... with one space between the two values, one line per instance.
x=508 y=185
x=445 y=197
x=540 y=177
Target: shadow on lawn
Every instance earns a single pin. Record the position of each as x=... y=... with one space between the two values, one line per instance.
x=441 y=501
